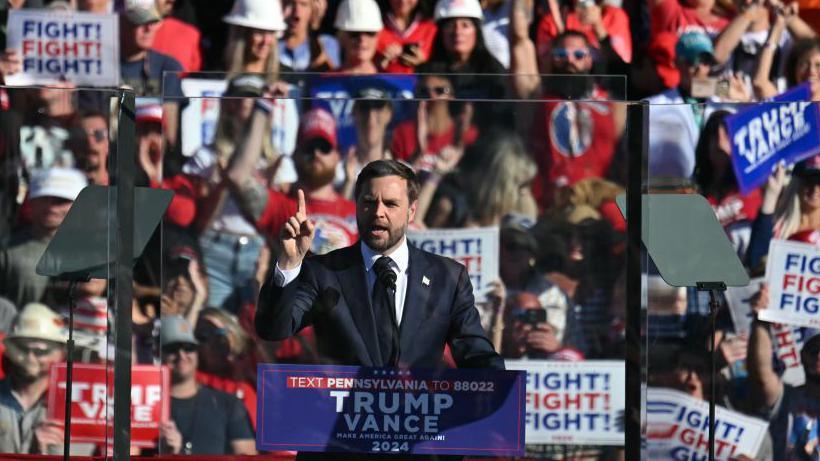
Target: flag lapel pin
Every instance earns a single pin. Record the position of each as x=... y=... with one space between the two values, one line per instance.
x=425 y=281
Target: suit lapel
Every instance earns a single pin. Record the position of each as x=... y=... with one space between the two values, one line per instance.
x=353 y=282
x=415 y=299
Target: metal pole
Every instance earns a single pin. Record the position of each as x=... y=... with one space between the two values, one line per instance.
x=638 y=140
x=69 y=374
x=123 y=224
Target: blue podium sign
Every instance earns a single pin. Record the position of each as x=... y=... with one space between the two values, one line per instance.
x=375 y=410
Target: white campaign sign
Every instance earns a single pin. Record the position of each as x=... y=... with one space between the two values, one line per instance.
x=475 y=248
x=200 y=117
x=793 y=273
x=55 y=46
x=574 y=402
x=678 y=428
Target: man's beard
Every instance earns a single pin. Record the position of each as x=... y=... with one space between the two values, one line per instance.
x=392 y=238
x=568 y=85
x=314 y=176
x=20 y=374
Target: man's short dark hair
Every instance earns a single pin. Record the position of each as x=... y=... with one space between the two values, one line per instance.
x=382 y=168
x=559 y=39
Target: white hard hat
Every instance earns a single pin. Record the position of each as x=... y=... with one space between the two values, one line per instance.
x=446 y=9
x=359 y=16
x=38 y=321
x=257 y=14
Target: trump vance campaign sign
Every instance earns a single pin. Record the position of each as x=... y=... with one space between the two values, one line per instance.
x=381 y=410
x=92 y=402
x=678 y=429
x=574 y=402
x=476 y=248
x=764 y=134
x=82 y=48
x=793 y=272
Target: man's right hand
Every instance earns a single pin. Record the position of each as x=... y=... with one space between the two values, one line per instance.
x=296 y=237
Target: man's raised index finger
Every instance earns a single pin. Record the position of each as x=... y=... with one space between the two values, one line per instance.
x=301 y=208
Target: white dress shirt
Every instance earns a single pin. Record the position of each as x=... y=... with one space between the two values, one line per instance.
x=400 y=257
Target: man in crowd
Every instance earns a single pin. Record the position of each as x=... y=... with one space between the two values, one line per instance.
x=675 y=116
x=204 y=421
x=316 y=159
x=792 y=411
x=372 y=112
x=532 y=331
x=148 y=72
x=36 y=342
x=51 y=195
x=177 y=39
x=571 y=140
x=91 y=147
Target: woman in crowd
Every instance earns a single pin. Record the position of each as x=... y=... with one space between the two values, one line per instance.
x=802 y=64
x=716 y=179
x=459 y=41
x=492 y=180
x=229 y=241
x=358 y=22
x=407 y=38
x=301 y=49
x=797 y=216
x=440 y=124
x=252 y=46
x=459 y=48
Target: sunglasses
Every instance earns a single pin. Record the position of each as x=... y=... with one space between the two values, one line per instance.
x=173 y=349
x=38 y=351
x=563 y=53
x=357 y=34
x=99 y=135
x=318 y=145
x=206 y=334
x=428 y=91
x=368 y=105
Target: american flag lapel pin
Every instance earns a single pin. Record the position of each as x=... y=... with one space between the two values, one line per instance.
x=425 y=281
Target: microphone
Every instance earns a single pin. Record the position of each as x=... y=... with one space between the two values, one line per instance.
x=384 y=273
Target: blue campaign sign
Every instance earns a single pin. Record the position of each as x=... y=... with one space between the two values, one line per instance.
x=784 y=129
x=378 y=410
x=336 y=94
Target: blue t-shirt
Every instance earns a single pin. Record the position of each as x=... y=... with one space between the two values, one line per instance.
x=146 y=75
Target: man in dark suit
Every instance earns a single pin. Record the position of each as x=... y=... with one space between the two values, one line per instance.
x=399 y=311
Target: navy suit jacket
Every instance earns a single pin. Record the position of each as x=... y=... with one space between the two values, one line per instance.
x=331 y=293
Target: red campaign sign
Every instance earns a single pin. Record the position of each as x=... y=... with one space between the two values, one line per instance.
x=93 y=402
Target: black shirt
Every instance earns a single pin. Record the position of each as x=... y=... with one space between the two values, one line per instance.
x=210 y=421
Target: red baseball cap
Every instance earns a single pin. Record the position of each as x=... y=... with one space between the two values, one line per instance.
x=149 y=113
x=318 y=123
x=662 y=51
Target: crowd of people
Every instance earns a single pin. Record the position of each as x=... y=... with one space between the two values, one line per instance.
x=514 y=115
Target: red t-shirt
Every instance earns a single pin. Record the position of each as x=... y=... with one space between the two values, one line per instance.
x=421 y=31
x=182 y=209
x=180 y=40
x=736 y=214
x=615 y=21
x=335 y=220
x=571 y=141
x=405 y=143
x=806 y=236
x=671 y=16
